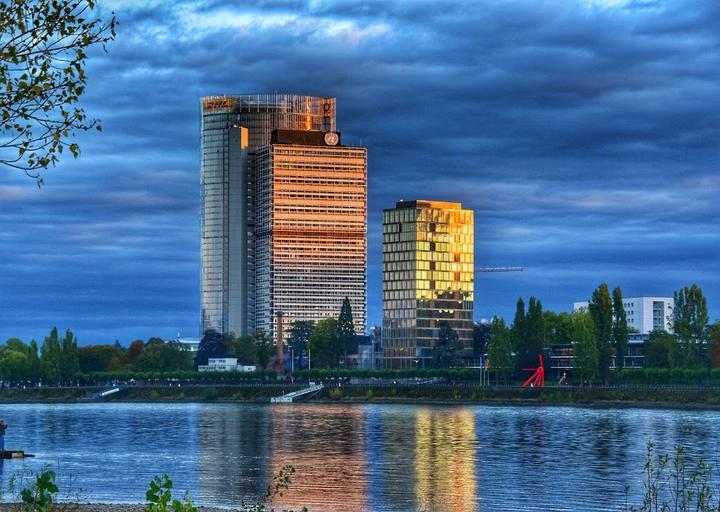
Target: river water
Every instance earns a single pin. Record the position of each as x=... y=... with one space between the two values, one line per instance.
x=355 y=457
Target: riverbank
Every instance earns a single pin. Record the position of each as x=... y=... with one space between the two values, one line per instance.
x=670 y=397
x=98 y=507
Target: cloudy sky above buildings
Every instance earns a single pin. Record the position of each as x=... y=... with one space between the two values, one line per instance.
x=583 y=133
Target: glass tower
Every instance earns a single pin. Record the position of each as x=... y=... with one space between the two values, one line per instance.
x=233 y=128
x=428 y=278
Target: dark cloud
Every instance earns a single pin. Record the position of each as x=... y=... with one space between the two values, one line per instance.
x=583 y=134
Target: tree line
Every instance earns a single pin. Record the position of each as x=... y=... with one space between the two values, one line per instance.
x=59 y=360
x=323 y=344
x=600 y=336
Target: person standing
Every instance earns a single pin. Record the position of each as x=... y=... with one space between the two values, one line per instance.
x=3 y=428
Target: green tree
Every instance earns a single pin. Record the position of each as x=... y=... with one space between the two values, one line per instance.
x=34 y=373
x=534 y=330
x=212 y=345
x=263 y=348
x=346 y=329
x=13 y=364
x=558 y=328
x=500 y=357
x=662 y=351
x=601 y=312
x=585 y=349
x=690 y=319
x=166 y=357
x=323 y=344
x=619 y=330
x=69 y=362
x=445 y=351
x=50 y=357
x=300 y=332
x=518 y=334
x=43 y=45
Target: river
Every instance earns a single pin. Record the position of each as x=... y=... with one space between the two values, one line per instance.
x=354 y=457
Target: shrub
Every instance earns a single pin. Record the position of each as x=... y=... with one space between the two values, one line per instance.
x=159 y=497
x=336 y=394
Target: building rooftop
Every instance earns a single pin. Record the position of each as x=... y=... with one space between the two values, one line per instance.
x=426 y=203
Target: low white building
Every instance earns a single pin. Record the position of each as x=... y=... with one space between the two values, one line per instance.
x=644 y=314
x=225 y=364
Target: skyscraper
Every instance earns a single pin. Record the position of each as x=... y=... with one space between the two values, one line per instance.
x=310 y=237
x=235 y=131
x=428 y=278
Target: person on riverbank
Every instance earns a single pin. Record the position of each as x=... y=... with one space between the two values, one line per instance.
x=3 y=428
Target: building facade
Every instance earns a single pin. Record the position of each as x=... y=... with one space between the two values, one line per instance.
x=644 y=314
x=311 y=223
x=428 y=278
x=233 y=128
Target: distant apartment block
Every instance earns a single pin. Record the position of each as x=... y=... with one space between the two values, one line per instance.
x=428 y=277
x=644 y=314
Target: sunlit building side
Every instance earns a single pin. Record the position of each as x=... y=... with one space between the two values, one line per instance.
x=232 y=129
x=428 y=278
x=310 y=237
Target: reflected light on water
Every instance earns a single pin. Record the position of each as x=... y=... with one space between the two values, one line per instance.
x=445 y=460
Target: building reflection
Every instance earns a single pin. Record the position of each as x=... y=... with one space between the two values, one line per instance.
x=445 y=460
x=325 y=446
x=233 y=454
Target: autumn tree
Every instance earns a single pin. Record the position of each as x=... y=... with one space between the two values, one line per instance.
x=43 y=50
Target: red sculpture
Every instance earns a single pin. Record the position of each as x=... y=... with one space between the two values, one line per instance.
x=537 y=379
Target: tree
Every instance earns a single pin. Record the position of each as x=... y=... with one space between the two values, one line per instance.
x=445 y=351
x=43 y=45
x=300 y=332
x=263 y=348
x=558 y=328
x=714 y=350
x=98 y=358
x=33 y=361
x=13 y=364
x=585 y=349
x=134 y=350
x=690 y=319
x=69 y=362
x=346 y=329
x=212 y=345
x=662 y=350
x=518 y=332
x=50 y=356
x=600 y=308
x=166 y=357
x=500 y=357
x=619 y=330
x=323 y=344
x=481 y=338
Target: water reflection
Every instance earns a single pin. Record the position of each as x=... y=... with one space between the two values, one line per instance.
x=325 y=445
x=445 y=459
x=357 y=457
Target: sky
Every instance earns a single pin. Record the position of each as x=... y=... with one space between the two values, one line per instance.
x=584 y=134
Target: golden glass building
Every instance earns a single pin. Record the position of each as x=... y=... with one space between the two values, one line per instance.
x=310 y=232
x=428 y=277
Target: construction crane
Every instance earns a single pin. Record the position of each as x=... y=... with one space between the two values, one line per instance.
x=499 y=269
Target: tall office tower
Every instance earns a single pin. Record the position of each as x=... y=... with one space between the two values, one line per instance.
x=311 y=222
x=427 y=279
x=232 y=129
